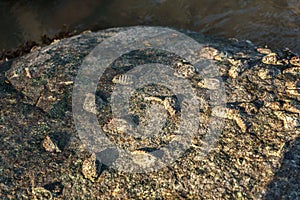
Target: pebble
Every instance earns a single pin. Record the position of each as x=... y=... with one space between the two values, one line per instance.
x=209 y=83
x=89 y=104
x=184 y=69
x=89 y=168
x=208 y=53
x=49 y=145
x=295 y=61
x=264 y=51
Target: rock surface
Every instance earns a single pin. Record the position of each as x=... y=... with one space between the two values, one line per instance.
x=255 y=157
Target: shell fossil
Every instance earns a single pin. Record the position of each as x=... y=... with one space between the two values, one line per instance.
x=184 y=69
x=124 y=79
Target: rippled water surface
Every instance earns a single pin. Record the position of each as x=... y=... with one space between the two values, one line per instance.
x=275 y=23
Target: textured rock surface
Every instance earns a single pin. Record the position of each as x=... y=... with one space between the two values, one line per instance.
x=256 y=156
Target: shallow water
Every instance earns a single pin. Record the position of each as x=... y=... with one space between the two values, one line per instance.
x=275 y=23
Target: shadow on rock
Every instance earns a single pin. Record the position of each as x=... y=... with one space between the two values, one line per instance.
x=285 y=184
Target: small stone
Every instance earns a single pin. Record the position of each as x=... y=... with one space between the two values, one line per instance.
x=27 y=71
x=35 y=48
x=289 y=123
x=264 y=51
x=142 y=158
x=292 y=89
x=170 y=105
x=184 y=69
x=234 y=62
x=49 y=145
x=208 y=53
x=292 y=70
x=220 y=111
x=249 y=108
x=118 y=125
x=295 y=61
x=157 y=99
x=271 y=59
x=86 y=32
x=55 y=41
x=89 y=104
x=239 y=196
x=89 y=168
x=66 y=83
x=41 y=193
x=240 y=122
x=209 y=83
x=227 y=113
x=263 y=74
x=233 y=72
x=273 y=105
x=290 y=108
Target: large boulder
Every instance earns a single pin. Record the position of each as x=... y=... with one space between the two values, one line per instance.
x=43 y=156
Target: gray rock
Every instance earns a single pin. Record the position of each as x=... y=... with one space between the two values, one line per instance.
x=260 y=112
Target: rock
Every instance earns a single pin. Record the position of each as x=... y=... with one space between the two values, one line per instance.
x=89 y=168
x=258 y=114
x=49 y=145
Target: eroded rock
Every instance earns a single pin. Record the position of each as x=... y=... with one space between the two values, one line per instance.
x=260 y=112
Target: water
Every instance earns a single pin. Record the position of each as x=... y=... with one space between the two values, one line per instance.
x=275 y=23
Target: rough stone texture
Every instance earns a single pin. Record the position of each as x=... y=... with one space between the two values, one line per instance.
x=256 y=156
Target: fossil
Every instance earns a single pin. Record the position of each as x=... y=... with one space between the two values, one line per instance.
x=227 y=113
x=143 y=158
x=124 y=79
x=250 y=128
